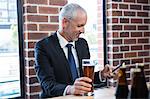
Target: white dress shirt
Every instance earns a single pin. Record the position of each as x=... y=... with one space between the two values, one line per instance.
x=63 y=42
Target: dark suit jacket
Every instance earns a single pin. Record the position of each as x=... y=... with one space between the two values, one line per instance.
x=52 y=67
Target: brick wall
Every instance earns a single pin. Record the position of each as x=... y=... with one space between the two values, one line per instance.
x=40 y=19
x=127 y=29
x=128 y=33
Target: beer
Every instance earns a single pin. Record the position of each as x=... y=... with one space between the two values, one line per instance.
x=122 y=86
x=88 y=70
x=138 y=83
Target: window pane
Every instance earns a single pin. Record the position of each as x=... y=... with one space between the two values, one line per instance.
x=9 y=51
x=3 y=13
x=3 y=5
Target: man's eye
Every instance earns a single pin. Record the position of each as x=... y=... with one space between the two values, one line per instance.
x=80 y=25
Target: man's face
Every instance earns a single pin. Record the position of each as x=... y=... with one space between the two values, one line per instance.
x=75 y=26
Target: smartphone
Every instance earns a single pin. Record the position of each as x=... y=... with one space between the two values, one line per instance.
x=118 y=66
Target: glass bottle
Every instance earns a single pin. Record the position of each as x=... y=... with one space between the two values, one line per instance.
x=122 y=86
x=138 y=83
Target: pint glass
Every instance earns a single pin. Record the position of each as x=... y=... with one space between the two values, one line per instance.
x=88 y=71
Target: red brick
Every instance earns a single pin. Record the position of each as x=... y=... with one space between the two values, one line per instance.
x=135 y=20
x=146 y=7
x=31 y=44
x=147 y=73
x=137 y=60
x=37 y=36
x=136 y=34
x=117 y=41
x=109 y=48
x=58 y=2
x=115 y=63
x=109 y=34
x=147 y=21
x=130 y=41
x=37 y=1
x=124 y=48
x=146 y=53
x=109 y=55
x=109 y=13
x=145 y=40
x=109 y=42
x=108 y=6
x=31 y=63
x=53 y=18
x=143 y=27
x=135 y=7
x=127 y=61
x=129 y=13
x=124 y=34
x=114 y=6
x=146 y=47
x=147 y=59
x=142 y=14
x=109 y=27
x=129 y=27
x=142 y=1
x=34 y=89
x=116 y=49
x=146 y=34
x=32 y=71
x=132 y=1
x=136 y=47
x=30 y=53
x=115 y=34
x=48 y=10
x=146 y=66
x=31 y=27
x=130 y=54
x=48 y=27
x=123 y=6
x=37 y=18
x=117 y=27
x=115 y=56
x=116 y=13
x=108 y=20
x=115 y=20
x=124 y=20
x=31 y=9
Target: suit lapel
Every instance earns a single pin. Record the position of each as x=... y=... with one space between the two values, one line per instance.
x=62 y=56
x=79 y=54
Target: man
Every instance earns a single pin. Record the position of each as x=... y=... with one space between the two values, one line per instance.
x=51 y=56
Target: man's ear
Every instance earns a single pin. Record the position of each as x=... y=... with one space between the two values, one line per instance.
x=64 y=22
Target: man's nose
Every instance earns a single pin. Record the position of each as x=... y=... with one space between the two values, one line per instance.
x=82 y=30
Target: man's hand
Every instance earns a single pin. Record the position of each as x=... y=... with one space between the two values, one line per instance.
x=106 y=72
x=81 y=85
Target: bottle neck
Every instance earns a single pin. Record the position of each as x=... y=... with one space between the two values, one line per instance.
x=122 y=77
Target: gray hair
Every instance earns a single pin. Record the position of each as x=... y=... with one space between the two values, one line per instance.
x=69 y=11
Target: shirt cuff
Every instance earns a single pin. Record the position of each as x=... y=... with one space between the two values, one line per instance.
x=100 y=77
x=65 y=91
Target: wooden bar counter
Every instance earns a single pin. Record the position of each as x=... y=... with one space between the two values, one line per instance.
x=103 y=93
x=100 y=93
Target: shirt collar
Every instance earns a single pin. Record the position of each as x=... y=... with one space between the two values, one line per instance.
x=63 y=42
